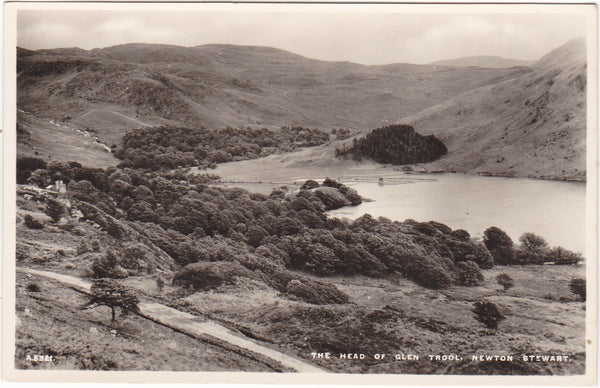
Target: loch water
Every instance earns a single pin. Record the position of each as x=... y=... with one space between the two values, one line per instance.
x=554 y=210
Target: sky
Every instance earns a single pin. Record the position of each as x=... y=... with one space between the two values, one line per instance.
x=363 y=34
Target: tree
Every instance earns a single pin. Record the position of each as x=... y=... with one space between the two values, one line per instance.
x=494 y=237
x=505 y=281
x=488 y=314
x=500 y=245
x=577 y=287
x=107 y=292
x=533 y=243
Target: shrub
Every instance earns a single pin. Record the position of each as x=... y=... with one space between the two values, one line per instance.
x=425 y=228
x=468 y=273
x=32 y=223
x=277 y=194
x=95 y=245
x=427 y=273
x=32 y=287
x=353 y=196
x=505 y=281
x=332 y=183
x=316 y=292
x=255 y=235
x=279 y=279
x=550 y=296
x=82 y=248
x=209 y=275
x=563 y=256
x=524 y=256
x=254 y=262
x=107 y=292
x=488 y=314
x=309 y=184
x=461 y=235
x=107 y=266
x=504 y=255
x=26 y=165
x=577 y=287
x=135 y=257
x=54 y=209
x=331 y=199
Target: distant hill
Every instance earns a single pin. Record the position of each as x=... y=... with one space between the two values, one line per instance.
x=533 y=125
x=116 y=89
x=484 y=61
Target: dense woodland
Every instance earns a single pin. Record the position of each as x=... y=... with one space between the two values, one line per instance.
x=172 y=147
x=395 y=144
x=266 y=235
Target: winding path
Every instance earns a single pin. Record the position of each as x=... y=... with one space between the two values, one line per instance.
x=191 y=325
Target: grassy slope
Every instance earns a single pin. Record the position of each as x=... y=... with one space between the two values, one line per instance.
x=60 y=141
x=531 y=126
x=220 y=85
x=50 y=323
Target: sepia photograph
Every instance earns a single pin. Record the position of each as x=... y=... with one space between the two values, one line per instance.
x=300 y=193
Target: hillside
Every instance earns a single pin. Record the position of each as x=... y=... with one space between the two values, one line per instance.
x=120 y=88
x=530 y=126
x=484 y=61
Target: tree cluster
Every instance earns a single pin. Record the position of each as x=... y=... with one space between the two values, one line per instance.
x=395 y=144
x=196 y=223
x=171 y=147
x=533 y=249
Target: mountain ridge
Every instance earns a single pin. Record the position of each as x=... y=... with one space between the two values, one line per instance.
x=530 y=126
x=490 y=61
x=219 y=86
x=113 y=90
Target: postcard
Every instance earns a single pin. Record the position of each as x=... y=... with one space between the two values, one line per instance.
x=300 y=193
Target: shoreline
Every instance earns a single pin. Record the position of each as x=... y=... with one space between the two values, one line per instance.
x=319 y=161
